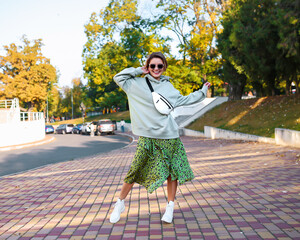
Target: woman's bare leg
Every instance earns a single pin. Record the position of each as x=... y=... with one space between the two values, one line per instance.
x=125 y=190
x=171 y=188
x=119 y=207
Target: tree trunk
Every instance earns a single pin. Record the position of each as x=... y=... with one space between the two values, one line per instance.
x=296 y=83
x=236 y=90
x=271 y=83
x=258 y=89
x=212 y=90
x=287 y=86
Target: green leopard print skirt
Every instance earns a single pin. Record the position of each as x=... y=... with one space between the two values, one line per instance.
x=157 y=159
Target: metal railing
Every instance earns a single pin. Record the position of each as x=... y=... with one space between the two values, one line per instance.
x=31 y=116
x=13 y=114
x=9 y=103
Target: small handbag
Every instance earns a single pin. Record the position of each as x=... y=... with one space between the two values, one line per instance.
x=161 y=104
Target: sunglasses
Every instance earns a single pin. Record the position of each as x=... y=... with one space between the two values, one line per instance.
x=159 y=66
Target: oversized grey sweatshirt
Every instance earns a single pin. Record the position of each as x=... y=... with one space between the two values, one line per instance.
x=146 y=121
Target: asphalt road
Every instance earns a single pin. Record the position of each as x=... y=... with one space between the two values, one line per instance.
x=63 y=148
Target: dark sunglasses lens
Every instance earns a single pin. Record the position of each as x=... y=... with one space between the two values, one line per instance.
x=159 y=66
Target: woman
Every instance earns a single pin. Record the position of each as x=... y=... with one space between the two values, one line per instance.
x=160 y=154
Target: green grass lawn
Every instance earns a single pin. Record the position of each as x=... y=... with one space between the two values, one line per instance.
x=258 y=116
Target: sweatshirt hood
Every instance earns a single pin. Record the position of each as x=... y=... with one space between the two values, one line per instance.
x=162 y=78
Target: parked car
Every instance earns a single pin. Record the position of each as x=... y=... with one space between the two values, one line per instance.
x=49 y=129
x=105 y=126
x=77 y=129
x=86 y=128
x=64 y=128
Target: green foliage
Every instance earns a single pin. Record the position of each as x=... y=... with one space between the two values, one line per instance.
x=261 y=42
x=104 y=56
x=71 y=95
x=195 y=24
x=26 y=74
x=184 y=78
x=257 y=46
x=119 y=37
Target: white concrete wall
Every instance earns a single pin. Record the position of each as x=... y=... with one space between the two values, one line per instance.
x=284 y=137
x=21 y=132
x=213 y=133
x=287 y=137
x=191 y=133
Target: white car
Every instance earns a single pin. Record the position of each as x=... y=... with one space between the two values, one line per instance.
x=86 y=128
x=105 y=126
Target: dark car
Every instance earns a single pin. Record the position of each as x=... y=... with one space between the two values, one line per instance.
x=49 y=129
x=64 y=128
x=77 y=128
x=115 y=123
x=105 y=126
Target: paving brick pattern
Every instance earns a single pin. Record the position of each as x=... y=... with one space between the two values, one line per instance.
x=242 y=190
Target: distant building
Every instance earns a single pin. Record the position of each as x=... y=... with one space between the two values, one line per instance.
x=18 y=127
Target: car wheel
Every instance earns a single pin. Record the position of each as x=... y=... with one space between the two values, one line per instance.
x=63 y=132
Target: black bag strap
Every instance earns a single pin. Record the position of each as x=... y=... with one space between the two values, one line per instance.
x=149 y=85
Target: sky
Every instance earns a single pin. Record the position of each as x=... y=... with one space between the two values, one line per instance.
x=60 y=25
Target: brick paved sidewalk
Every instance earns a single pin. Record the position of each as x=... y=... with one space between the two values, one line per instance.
x=242 y=190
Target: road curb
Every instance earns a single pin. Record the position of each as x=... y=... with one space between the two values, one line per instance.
x=44 y=141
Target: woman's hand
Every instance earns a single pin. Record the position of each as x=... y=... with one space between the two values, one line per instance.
x=205 y=87
x=145 y=70
x=207 y=84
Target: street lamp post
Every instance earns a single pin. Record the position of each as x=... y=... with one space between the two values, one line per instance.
x=72 y=102
x=47 y=109
x=82 y=109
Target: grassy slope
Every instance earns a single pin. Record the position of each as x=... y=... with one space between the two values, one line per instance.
x=258 y=116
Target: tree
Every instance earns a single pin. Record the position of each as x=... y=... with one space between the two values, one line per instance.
x=104 y=56
x=195 y=24
x=260 y=39
x=26 y=74
x=183 y=78
x=233 y=71
x=69 y=96
x=287 y=21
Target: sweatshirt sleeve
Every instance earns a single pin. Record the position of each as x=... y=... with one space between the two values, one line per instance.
x=124 y=78
x=194 y=97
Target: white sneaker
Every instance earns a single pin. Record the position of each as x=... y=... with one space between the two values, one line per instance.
x=168 y=216
x=119 y=208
